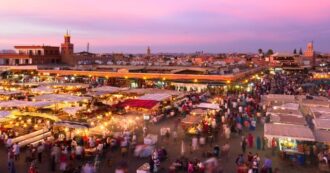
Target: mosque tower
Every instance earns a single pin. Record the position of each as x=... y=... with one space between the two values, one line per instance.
x=310 y=50
x=67 y=46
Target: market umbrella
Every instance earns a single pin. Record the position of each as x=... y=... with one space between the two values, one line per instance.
x=182 y=148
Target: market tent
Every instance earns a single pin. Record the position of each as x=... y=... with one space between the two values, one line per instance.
x=156 y=97
x=110 y=89
x=4 y=92
x=297 y=132
x=73 y=85
x=287 y=119
x=146 y=104
x=35 y=114
x=142 y=91
x=72 y=124
x=72 y=110
x=322 y=135
x=208 y=106
x=289 y=106
x=4 y=115
x=23 y=104
x=61 y=98
x=266 y=99
x=43 y=90
x=192 y=119
x=274 y=111
x=322 y=123
x=320 y=112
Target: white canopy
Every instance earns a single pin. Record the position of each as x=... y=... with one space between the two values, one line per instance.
x=287 y=119
x=72 y=110
x=43 y=90
x=72 y=124
x=276 y=111
x=4 y=115
x=322 y=123
x=61 y=98
x=156 y=97
x=289 y=106
x=322 y=135
x=297 y=132
x=208 y=106
x=22 y=103
x=4 y=92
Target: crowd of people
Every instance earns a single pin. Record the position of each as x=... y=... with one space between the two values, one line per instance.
x=239 y=116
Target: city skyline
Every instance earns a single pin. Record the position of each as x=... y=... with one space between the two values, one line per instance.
x=186 y=26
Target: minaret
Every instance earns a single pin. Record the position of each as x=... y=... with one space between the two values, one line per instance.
x=67 y=46
x=310 y=50
x=148 y=51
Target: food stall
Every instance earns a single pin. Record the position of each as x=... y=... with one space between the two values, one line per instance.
x=290 y=138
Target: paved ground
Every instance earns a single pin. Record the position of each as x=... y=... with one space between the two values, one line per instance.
x=174 y=149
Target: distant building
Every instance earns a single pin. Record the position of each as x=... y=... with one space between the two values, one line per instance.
x=31 y=55
x=148 y=51
x=310 y=50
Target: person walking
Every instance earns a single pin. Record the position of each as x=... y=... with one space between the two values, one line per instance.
x=250 y=140
x=243 y=144
x=10 y=162
x=258 y=143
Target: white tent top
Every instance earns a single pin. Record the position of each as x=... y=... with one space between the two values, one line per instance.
x=322 y=135
x=152 y=91
x=4 y=92
x=289 y=106
x=321 y=110
x=4 y=115
x=284 y=111
x=110 y=89
x=156 y=97
x=297 y=132
x=72 y=110
x=72 y=124
x=287 y=119
x=76 y=85
x=322 y=123
x=43 y=90
x=61 y=98
x=22 y=104
x=208 y=106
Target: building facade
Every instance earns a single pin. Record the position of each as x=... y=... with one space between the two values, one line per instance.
x=31 y=55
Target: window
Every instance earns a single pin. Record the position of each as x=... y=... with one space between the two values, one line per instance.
x=39 y=52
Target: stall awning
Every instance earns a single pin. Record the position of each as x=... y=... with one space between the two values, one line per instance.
x=146 y=104
x=156 y=97
x=288 y=106
x=72 y=124
x=22 y=104
x=61 y=98
x=72 y=110
x=322 y=136
x=287 y=119
x=322 y=123
x=297 y=132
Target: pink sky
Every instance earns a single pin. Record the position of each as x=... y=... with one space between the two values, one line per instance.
x=168 y=25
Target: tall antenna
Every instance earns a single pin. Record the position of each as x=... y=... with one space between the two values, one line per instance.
x=88 y=47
